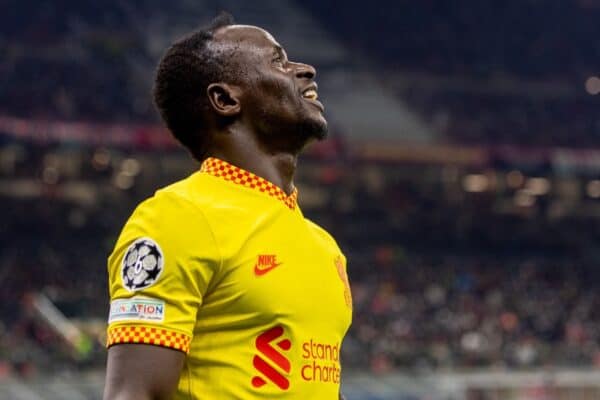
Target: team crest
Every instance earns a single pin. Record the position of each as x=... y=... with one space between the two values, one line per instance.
x=142 y=264
x=339 y=265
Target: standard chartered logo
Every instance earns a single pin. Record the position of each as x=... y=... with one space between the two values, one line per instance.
x=321 y=362
x=264 y=344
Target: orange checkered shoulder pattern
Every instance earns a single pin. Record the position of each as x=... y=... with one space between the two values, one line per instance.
x=149 y=335
x=219 y=168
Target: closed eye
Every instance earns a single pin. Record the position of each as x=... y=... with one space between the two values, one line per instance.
x=279 y=57
x=278 y=60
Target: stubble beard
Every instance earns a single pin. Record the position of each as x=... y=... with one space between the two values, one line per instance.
x=313 y=129
x=290 y=136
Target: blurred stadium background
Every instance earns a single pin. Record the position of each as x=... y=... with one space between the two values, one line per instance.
x=462 y=179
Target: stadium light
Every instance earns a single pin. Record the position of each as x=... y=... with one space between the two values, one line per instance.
x=524 y=199
x=123 y=181
x=592 y=85
x=101 y=159
x=593 y=189
x=475 y=183
x=515 y=179
x=537 y=186
x=130 y=167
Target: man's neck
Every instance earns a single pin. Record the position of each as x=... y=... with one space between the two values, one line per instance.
x=244 y=152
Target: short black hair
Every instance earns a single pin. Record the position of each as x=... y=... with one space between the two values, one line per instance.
x=186 y=69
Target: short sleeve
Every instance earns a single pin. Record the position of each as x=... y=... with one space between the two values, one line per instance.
x=158 y=273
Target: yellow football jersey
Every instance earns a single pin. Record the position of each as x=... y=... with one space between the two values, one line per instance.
x=224 y=267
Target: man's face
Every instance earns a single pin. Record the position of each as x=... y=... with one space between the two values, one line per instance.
x=279 y=97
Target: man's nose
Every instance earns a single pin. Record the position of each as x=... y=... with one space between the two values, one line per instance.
x=305 y=71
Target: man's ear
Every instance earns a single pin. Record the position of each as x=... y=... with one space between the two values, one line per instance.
x=224 y=99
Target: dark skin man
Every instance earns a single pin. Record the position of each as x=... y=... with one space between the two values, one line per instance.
x=260 y=121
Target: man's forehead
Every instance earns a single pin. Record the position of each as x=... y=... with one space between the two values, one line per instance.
x=252 y=35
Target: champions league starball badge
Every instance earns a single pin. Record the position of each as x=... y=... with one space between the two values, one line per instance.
x=142 y=264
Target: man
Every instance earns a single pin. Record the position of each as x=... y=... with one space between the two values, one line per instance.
x=220 y=288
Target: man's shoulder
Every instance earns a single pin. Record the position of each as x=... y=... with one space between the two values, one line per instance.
x=174 y=203
x=189 y=193
x=321 y=232
x=173 y=216
x=195 y=189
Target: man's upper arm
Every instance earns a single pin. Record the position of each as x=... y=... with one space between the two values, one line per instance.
x=142 y=372
x=158 y=274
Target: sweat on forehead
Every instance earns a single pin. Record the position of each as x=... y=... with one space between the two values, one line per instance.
x=234 y=35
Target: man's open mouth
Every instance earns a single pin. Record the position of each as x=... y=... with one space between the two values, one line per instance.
x=310 y=94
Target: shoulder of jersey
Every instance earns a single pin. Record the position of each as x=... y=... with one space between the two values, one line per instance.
x=195 y=188
x=174 y=199
x=319 y=231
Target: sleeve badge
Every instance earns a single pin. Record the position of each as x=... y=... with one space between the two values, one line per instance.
x=142 y=264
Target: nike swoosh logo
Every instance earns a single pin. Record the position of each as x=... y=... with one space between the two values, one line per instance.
x=259 y=270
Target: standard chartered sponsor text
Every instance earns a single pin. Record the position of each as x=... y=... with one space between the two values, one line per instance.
x=322 y=362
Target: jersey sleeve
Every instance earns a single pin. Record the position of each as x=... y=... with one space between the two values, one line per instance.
x=159 y=271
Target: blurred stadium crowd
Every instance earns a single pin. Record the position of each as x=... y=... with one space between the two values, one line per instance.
x=452 y=264
x=527 y=77
x=442 y=276
x=509 y=72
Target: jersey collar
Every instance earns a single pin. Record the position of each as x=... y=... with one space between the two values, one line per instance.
x=222 y=169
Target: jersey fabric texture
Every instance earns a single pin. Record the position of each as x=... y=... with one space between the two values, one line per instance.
x=224 y=267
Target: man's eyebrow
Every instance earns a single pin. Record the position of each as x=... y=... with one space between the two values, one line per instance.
x=279 y=51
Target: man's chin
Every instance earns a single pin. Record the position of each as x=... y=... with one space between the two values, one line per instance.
x=317 y=129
